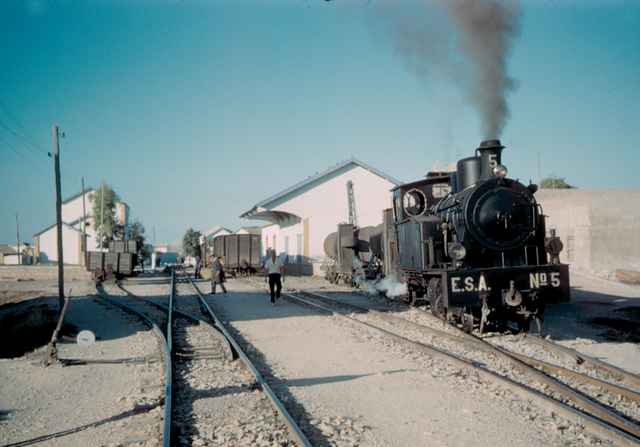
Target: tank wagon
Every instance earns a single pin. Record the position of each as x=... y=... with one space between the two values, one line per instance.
x=241 y=253
x=471 y=243
x=355 y=254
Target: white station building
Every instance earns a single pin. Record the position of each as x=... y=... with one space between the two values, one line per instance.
x=45 y=242
x=303 y=215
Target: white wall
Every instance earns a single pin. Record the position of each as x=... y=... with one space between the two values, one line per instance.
x=326 y=205
x=71 y=240
x=73 y=209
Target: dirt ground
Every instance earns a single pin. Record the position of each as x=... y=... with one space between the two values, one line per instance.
x=95 y=404
x=340 y=379
x=335 y=370
x=602 y=319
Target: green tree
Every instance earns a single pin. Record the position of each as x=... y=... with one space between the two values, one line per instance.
x=553 y=182
x=191 y=243
x=105 y=213
x=136 y=233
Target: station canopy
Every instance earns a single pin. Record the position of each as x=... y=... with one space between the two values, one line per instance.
x=281 y=218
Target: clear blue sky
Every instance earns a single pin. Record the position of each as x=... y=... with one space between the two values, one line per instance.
x=196 y=110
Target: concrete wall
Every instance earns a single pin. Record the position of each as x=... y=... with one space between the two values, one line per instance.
x=42 y=272
x=325 y=205
x=600 y=229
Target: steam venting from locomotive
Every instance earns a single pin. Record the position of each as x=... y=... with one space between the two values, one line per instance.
x=483 y=31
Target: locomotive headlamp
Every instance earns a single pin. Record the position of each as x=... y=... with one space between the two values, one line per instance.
x=500 y=171
x=457 y=252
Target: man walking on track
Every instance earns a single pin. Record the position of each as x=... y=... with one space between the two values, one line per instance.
x=217 y=275
x=274 y=268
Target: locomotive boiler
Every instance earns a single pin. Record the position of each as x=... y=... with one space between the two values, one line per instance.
x=472 y=243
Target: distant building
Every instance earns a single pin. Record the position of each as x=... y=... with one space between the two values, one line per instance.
x=216 y=231
x=249 y=230
x=45 y=242
x=304 y=214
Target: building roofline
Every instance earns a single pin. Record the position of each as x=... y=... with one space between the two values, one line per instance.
x=75 y=196
x=264 y=203
x=52 y=226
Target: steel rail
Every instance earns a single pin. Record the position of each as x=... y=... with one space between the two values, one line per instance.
x=622 y=376
x=183 y=314
x=167 y=420
x=483 y=344
x=596 y=426
x=293 y=427
x=577 y=399
x=168 y=364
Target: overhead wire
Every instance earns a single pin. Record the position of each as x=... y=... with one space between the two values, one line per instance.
x=36 y=152
x=26 y=156
x=23 y=133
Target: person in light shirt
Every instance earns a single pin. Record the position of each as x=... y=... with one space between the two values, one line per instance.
x=274 y=268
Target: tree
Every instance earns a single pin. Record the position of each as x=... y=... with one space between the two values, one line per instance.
x=136 y=233
x=191 y=243
x=553 y=182
x=105 y=213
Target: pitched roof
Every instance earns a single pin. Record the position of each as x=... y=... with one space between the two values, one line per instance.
x=251 y=230
x=75 y=196
x=215 y=230
x=53 y=226
x=7 y=250
x=317 y=178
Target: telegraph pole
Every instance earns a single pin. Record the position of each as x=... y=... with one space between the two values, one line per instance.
x=18 y=239
x=84 y=226
x=55 y=134
x=101 y=214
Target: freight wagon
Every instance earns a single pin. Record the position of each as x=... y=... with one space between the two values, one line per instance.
x=240 y=253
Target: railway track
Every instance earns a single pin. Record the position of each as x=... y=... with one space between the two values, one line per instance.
x=570 y=394
x=200 y=350
x=151 y=320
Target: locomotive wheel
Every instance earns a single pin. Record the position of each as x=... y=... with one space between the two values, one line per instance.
x=467 y=323
x=434 y=295
x=415 y=298
x=524 y=323
x=410 y=296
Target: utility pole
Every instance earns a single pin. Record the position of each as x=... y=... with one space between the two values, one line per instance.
x=55 y=134
x=18 y=239
x=84 y=226
x=101 y=214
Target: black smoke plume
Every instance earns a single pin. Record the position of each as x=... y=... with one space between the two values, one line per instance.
x=472 y=50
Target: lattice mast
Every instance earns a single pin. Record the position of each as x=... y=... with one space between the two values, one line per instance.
x=351 y=198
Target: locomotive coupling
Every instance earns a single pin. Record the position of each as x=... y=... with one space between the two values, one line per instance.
x=511 y=296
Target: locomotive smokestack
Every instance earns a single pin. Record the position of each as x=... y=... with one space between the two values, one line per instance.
x=490 y=152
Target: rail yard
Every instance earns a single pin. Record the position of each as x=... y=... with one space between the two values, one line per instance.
x=326 y=365
x=320 y=223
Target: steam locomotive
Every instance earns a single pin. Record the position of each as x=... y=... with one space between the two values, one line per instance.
x=472 y=243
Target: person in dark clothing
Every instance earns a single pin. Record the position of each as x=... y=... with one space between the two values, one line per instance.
x=198 y=267
x=274 y=268
x=217 y=275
